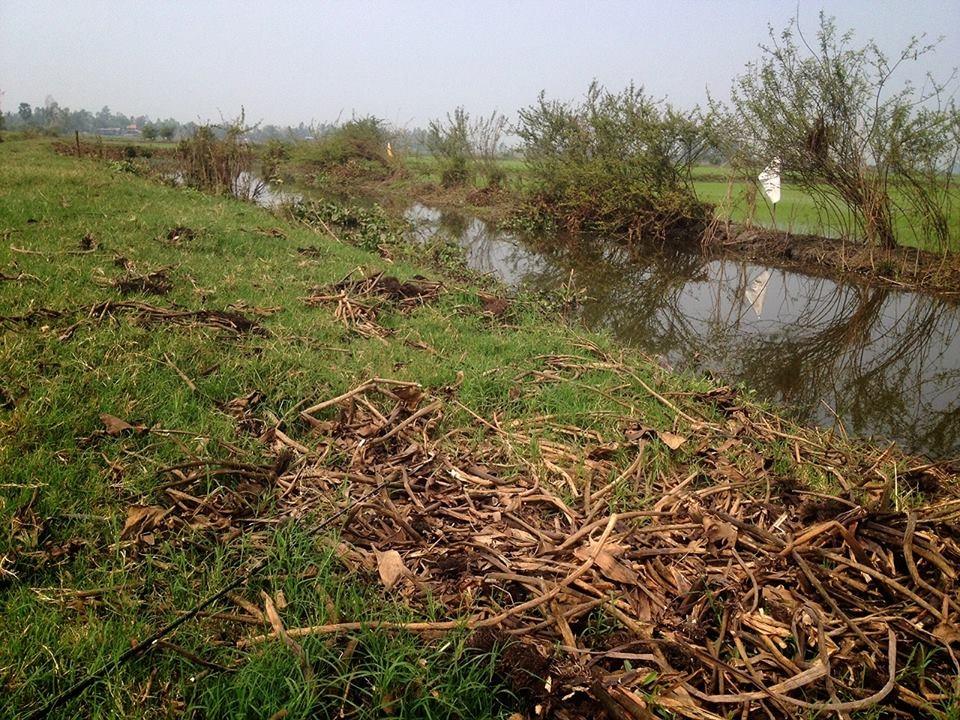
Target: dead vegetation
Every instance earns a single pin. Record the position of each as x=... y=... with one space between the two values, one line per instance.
x=179 y=234
x=156 y=282
x=360 y=302
x=729 y=585
x=225 y=320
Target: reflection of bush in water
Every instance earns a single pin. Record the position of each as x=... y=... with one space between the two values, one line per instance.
x=454 y=224
x=884 y=365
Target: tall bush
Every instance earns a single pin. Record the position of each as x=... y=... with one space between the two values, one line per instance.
x=357 y=148
x=614 y=162
x=464 y=147
x=220 y=159
x=866 y=150
x=449 y=143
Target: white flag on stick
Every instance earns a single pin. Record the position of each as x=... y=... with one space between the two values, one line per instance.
x=770 y=180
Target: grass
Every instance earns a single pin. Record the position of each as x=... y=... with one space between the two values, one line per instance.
x=73 y=596
x=796 y=211
x=80 y=489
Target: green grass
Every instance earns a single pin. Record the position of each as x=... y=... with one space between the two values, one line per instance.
x=83 y=487
x=796 y=211
x=57 y=470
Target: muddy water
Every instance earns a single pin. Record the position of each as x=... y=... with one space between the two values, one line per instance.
x=886 y=363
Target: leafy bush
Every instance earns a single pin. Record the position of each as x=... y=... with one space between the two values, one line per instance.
x=358 y=148
x=367 y=227
x=274 y=154
x=615 y=162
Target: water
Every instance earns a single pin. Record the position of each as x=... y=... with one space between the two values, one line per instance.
x=886 y=363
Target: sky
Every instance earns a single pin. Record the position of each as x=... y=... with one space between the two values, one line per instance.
x=407 y=60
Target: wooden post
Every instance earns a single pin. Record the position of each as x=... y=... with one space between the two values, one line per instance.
x=76 y=136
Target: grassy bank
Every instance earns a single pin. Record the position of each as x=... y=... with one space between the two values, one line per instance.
x=192 y=384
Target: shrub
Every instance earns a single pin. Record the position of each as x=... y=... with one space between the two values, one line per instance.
x=367 y=227
x=358 y=148
x=862 y=148
x=219 y=159
x=463 y=148
x=449 y=143
x=615 y=162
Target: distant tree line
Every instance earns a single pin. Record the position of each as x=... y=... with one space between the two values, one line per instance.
x=54 y=119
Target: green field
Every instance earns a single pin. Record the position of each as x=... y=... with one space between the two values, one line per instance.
x=82 y=575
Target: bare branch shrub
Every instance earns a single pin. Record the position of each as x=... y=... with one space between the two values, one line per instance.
x=449 y=142
x=220 y=159
x=868 y=152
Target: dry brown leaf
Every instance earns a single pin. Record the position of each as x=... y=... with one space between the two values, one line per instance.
x=410 y=394
x=947 y=633
x=390 y=568
x=115 y=426
x=603 y=452
x=141 y=519
x=720 y=532
x=272 y=615
x=612 y=568
x=671 y=440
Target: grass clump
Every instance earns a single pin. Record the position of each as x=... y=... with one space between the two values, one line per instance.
x=615 y=162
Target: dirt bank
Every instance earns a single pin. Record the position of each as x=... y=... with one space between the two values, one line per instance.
x=902 y=268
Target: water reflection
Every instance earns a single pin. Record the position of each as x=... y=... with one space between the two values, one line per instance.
x=888 y=363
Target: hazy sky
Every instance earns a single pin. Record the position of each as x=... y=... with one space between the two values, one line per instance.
x=404 y=61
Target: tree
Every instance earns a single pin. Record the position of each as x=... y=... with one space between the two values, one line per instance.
x=168 y=130
x=867 y=152
x=149 y=131
x=25 y=112
x=104 y=117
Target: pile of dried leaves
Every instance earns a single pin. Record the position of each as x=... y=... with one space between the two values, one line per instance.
x=359 y=302
x=734 y=590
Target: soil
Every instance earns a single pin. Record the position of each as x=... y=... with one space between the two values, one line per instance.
x=902 y=268
x=154 y=283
